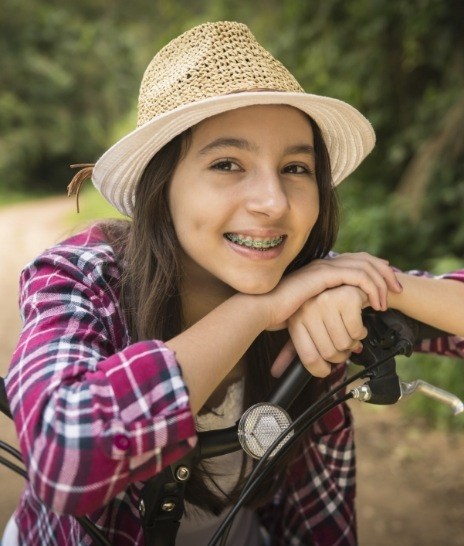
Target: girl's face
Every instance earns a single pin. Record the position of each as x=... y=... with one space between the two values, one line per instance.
x=244 y=198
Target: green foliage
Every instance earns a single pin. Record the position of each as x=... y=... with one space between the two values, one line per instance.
x=64 y=82
x=70 y=71
x=402 y=63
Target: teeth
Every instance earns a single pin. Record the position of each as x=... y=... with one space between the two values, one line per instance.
x=260 y=244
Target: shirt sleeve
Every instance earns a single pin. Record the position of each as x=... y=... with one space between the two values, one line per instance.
x=93 y=413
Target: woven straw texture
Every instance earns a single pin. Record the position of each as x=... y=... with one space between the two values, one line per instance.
x=207 y=61
x=208 y=70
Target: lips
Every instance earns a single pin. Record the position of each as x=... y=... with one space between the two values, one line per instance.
x=255 y=243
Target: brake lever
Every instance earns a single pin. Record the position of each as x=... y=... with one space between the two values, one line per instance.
x=394 y=331
x=385 y=340
x=448 y=398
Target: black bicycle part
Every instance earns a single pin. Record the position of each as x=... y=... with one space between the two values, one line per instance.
x=262 y=469
x=4 y=405
x=291 y=384
x=385 y=329
x=389 y=334
x=14 y=467
x=388 y=330
x=384 y=382
x=161 y=504
x=212 y=443
x=265 y=465
x=161 y=526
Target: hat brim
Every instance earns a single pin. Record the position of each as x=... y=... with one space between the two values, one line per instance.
x=348 y=135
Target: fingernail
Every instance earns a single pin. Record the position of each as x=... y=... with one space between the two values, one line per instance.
x=358 y=349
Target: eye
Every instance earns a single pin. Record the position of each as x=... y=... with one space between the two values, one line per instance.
x=295 y=168
x=225 y=165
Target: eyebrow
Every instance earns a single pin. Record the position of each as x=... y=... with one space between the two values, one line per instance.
x=243 y=144
x=239 y=143
x=300 y=149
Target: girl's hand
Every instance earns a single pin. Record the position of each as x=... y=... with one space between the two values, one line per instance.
x=372 y=275
x=324 y=331
x=378 y=270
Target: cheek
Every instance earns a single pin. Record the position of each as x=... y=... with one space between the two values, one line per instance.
x=309 y=212
x=201 y=210
x=194 y=221
x=182 y=207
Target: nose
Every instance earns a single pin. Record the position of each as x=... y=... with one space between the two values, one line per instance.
x=267 y=195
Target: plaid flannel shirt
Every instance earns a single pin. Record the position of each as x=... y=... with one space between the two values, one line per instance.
x=97 y=415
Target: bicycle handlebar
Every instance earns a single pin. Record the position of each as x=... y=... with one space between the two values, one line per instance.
x=389 y=334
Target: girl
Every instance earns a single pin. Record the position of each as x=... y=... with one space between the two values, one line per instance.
x=139 y=333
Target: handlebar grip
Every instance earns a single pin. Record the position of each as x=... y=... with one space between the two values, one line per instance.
x=410 y=328
x=293 y=381
x=296 y=376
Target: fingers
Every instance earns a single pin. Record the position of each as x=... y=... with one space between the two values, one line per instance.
x=370 y=264
x=309 y=355
x=327 y=326
x=371 y=274
x=328 y=329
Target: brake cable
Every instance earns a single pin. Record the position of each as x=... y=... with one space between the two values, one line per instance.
x=384 y=338
x=262 y=469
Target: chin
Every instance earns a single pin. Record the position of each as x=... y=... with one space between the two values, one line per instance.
x=255 y=289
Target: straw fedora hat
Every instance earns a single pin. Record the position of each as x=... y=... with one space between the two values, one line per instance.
x=210 y=69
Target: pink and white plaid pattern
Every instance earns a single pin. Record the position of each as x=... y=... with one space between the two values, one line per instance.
x=97 y=415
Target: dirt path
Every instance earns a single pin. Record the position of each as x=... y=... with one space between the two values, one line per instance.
x=25 y=230
x=410 y=479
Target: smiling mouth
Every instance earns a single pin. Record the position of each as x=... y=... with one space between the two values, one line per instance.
x=256 y=243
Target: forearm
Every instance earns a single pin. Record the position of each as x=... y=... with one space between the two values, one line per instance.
x=438 y=302
x=208 y=350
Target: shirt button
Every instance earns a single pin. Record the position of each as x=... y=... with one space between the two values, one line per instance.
x=122 y=442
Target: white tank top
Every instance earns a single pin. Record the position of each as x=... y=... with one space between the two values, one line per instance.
x=11 y=533
x=198 y=527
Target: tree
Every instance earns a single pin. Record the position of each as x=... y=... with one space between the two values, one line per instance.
x=70 y=73
x=402 y=63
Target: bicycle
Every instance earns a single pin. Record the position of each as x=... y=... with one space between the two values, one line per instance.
x=265 y=430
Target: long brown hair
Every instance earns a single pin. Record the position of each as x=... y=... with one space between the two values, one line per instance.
x=150 y=284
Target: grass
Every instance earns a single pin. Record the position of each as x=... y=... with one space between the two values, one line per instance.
x=10 y=197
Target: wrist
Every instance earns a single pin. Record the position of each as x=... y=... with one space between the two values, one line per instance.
x=396 y=300
x=255 y=308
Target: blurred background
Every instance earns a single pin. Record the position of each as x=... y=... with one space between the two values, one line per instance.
x=70 y=73
x=69 y=80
